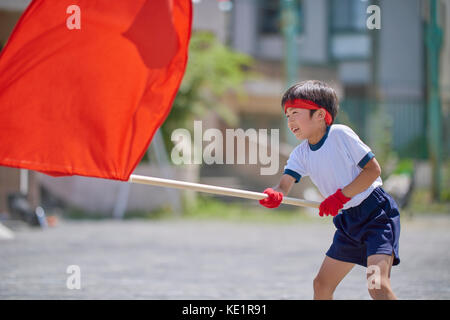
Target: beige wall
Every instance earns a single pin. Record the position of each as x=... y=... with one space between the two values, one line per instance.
x=8 y=20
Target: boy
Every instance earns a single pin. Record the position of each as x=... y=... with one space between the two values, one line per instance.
x=347 y=174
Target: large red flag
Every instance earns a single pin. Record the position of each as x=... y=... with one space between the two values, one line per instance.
x=85 y=84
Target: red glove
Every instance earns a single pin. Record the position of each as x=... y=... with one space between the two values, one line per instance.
x=333 y=204
x=273 y=200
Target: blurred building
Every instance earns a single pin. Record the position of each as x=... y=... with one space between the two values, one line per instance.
x=445 y=74
x=379 y=74
x=335 y=45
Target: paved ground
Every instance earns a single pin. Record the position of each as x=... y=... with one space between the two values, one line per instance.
x=207 y=260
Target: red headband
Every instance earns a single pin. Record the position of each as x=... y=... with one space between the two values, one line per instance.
x=307 y=104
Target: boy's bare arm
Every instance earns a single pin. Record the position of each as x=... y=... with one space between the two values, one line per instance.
x=368 y=175
x=285 y=184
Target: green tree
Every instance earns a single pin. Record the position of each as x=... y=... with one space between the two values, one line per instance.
x=213 y=70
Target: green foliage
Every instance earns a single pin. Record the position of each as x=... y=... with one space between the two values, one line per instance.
x=76 y=213
x=405 y=166
x=344 y=118
x=212 y=71
x=374 y=125
x=380 y=133
x=417 y=148
x=445 y=195
x=422 y=203
x=209 y=208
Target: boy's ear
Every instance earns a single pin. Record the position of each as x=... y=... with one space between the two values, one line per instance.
x=320 y=114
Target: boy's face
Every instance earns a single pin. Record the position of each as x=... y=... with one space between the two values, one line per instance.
x=301 y=124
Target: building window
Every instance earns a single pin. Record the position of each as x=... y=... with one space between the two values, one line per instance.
x=271 y=17
x=349 y=39
x=348 y=15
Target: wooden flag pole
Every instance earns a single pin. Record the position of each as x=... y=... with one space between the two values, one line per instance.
x=217 y=190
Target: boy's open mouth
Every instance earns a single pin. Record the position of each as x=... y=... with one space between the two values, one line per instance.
x=295 y=130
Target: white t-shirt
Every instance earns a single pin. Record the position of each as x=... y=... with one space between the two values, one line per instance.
x=333 y=163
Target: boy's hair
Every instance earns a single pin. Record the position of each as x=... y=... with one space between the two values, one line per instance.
x=316 y=91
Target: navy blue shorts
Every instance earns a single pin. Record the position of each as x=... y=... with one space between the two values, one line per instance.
x=372 y=227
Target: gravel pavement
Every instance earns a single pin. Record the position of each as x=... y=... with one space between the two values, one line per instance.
x=185 y=259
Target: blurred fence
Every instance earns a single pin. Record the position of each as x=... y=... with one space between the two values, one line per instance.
x=403 y=121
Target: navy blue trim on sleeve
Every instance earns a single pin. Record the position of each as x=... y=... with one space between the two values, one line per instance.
x=366 y=159
x=293 y=174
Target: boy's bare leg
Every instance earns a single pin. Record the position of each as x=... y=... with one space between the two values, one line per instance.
x=330 y=275
x=378 y=275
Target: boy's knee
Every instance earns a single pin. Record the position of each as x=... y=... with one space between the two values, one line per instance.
x=321 y=286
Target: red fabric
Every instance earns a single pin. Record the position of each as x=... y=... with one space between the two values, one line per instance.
x=332 y=204
x=307 y=104
x=88 y=101
x=273 y=200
